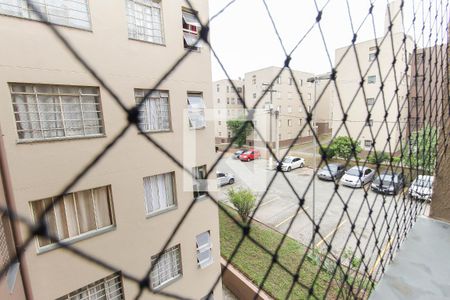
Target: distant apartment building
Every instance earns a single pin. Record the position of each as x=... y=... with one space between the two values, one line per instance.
x=284 y=98
x=376 y=108
x=428 y=97
x=228 y=106
x=55 y=118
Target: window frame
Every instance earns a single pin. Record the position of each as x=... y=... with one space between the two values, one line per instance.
x=200 y=249
x=81 y=235
x=167 y=282
x=168 y=208
x=147 y=104
x=203 y=182
x=161 y=21
x=201 y=110
x=369 y=79
x=193 y=33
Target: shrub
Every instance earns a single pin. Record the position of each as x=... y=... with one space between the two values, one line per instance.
x=327 y=152
x=345 y=147
x=378 y=158
x=244 y=201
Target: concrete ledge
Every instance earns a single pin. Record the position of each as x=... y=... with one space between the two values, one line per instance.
x=240 y=285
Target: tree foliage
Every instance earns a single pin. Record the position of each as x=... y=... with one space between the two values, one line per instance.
x=241 y=129
x=344 y=147
x=378 y=157
x=244 y=201
x=421 y=149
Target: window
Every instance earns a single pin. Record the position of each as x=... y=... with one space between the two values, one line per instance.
x=372 y=53
x=301 y=82
x=200 y=185
x=218 y=100
x=168 y=267
x=253 y=79
x=279 y=80
x=145 y=21
x=204 y=253
x=72 y=13
x=228 y=100
x=154 y=113
x=299 y=122
x=220 y=122
x=159 y=193
x=254 y=95
x=370 y=101
x=369 y=123
x=196 y=111
x=289 y=122
x=6 y=244
x=218 y=88
x=371 y=79
x=108 y=288
x=45 y=112
x=228 y=88
x=76 y=214
x=309 y=96
x=367 y=144
x=220 y=133
x=191 y=31
x=290 y=81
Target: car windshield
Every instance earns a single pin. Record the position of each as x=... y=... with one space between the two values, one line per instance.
x=239 y=152
x=354 y=172
x=386 y=178
x=332 y=168
x=422 y=183
x=248 y=152
x=287 y=160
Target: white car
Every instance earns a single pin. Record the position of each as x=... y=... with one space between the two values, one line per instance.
x=422 y=188
x=357 y=177
x=224 y=178
x=291 y=162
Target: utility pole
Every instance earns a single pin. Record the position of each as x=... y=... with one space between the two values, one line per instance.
x=271 y=91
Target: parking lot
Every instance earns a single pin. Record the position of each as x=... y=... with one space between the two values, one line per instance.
x=335 y=212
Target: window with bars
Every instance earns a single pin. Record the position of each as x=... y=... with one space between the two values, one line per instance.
x=145 y=21
x=76 y=215
x=191 y=31
x=72 y=13
x=200 y=185
x=6 y=243
x=45 y=112
x=196 y=110
x=371 y=79
x=370 y=101
x=168 y=267
x=108 y=288
x=154 y=114
x=367 y=144
x=253 y=79
x=159 y=193
x=204 y=253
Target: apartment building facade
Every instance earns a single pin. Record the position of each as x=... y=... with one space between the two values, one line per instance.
x=372 y=113
x=55 y=118
x=227 y=106
x=428 y=88
x=285 y=101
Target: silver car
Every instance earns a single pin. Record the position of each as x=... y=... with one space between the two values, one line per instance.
x=291 y=162
x=224 y=178
x=422 y=188
x=357 y=177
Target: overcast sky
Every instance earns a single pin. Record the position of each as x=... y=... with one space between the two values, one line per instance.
x=245 y=40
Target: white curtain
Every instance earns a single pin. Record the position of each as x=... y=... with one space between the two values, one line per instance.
x=72 y=115
x=61 y=220
x=71 y=216
x=102 y=207
x=85 y=211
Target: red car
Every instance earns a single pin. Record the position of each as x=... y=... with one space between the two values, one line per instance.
x=250 y=155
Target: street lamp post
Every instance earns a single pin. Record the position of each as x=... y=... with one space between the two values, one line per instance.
x=314 y=80
x=271 y=91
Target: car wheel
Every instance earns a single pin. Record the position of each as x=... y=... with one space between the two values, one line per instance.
x=231 y=181
x=302 y=165
x=289 y=169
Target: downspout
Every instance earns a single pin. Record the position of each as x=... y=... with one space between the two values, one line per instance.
x=17 y=237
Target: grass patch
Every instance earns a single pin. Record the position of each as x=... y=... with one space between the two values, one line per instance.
x=254 y=262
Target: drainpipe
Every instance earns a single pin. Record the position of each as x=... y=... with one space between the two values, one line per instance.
x=10 y=204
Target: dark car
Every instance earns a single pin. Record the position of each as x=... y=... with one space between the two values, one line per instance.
x=237 y=154
x=388 y=183
x=331 y=172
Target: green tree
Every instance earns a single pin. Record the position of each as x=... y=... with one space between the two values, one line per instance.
x=241 y=129
x=345 y=147
x=378 y=157
x=244 y=201
x=421 y=149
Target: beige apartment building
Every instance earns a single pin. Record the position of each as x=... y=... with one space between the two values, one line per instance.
x=227 y=106
x=366 y=107
x=284 y=98
x=55 y=118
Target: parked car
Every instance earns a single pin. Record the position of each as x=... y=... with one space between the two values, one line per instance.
x=250 y=155
x=422 y=188
x=224 y=178
x=331 y=172
x=291 y=162
x=237 y=154
x=388 y=183
x=357 y=177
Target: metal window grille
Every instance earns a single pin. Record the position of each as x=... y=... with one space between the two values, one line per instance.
x=45 y=112
x=167 y=268
x=159 y=193
x=204 y=253
x=108 y=288
x=72 y=13
x=145 y=21
x=76 y=215
x=154 y=113
x=5 y=245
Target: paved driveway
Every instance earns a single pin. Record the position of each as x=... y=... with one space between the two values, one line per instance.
x=334 y=211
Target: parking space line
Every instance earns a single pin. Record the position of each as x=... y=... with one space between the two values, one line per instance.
x=289 y=218
x=265 y=203
x=330 y=233
x=380 y=256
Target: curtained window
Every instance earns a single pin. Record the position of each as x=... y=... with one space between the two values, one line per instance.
x=168 y=267
x=145 y=21
x=159 y=193
x=154 y=113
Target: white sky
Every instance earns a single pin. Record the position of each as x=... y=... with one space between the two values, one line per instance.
x=244 y=39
